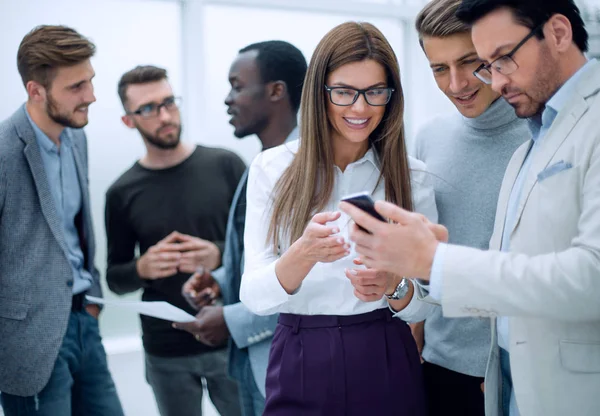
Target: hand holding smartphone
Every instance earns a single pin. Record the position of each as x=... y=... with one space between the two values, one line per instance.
x=363 y=201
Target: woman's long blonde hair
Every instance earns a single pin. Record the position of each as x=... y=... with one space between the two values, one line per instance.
x=306 y=185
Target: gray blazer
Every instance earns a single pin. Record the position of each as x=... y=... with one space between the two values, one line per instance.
x=35 y=275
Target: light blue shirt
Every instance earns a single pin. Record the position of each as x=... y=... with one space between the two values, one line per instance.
x=539 y=127
x=63 y=180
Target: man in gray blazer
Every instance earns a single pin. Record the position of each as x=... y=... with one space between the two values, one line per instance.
x=540 y=280
x=52 y=361
x=266 y=84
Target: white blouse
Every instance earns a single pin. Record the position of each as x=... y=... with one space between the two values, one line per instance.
x=326 y=290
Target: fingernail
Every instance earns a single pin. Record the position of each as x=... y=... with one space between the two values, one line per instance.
x=352 y=272
x=347 y=246
x=336 y=230
x=340 y=240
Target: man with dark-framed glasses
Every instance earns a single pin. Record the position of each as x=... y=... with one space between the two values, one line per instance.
x=173 y=205
x=504 y=64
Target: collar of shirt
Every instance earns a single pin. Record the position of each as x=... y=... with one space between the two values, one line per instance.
x=370 y=156
x=294 y=134
x=44 y=141
x=557 y=102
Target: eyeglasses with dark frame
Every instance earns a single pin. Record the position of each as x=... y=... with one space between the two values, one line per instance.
x=346 y=96
x=153 y=110
x=505 y=64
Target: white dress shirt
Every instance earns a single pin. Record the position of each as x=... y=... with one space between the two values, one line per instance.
x=326 y=290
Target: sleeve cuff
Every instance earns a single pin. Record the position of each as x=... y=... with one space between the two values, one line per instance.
x=436 y=278
x=266 y=295
x=229 y=316
x=410 y=310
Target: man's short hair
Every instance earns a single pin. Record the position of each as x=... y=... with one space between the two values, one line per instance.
x=141 y=74
x=438 y=19
x=47 y=48
x=281 y=61
x=529 y=13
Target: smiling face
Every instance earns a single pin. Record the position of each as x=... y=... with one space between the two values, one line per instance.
x=352 y=125
x=535 y=80
x=453 y=60
x=70 y=94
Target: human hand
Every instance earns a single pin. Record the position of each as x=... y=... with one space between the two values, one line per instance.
x=209 y=327
x=200 y=289
x=370 y=284
x=318 y=242
x=405 y=247
x=160 y=260
x=93 y=310
x=196 y=252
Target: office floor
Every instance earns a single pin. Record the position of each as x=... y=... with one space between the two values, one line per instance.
x=136 y=396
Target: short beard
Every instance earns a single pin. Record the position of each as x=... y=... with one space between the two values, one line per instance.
x=546 y=84
x=155 y=141
x=61 y=118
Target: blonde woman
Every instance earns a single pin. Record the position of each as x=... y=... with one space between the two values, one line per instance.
x=335 y=351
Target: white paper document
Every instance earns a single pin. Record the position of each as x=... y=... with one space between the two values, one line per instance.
x=160 y=310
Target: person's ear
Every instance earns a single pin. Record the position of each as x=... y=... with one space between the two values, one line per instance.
x=559 y=33
x=128 y=121
x=36 y=91
x=277 y=91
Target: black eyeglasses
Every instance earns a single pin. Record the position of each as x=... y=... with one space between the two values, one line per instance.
x=346 y=96
x=153 y=110
x=505 y=64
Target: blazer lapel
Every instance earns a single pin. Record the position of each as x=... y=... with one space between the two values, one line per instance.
x=555 y=137
x=512 y=171
x=34 y=159
x=565 y=121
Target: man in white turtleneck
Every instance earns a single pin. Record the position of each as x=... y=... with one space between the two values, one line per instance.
x=467 y=153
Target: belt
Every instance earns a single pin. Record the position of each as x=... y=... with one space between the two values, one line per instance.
x=78 y=302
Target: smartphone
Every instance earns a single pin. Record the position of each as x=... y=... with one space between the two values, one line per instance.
x=363 y=201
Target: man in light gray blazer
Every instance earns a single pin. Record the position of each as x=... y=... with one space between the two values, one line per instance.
x=266 y=84
x=541 y=276
x=51 y=358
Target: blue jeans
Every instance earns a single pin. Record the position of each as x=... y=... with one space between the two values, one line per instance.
x=80 y=383
x=509 y=404
x=251 y=399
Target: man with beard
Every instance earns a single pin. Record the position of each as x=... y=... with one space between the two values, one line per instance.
x=266 y=85
x=542 y=272
x=172 y=204
x=51 y=361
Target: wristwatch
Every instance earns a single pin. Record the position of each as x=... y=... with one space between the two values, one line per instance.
x=401 y=290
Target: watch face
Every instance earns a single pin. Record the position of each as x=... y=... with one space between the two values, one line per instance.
x=400 y=291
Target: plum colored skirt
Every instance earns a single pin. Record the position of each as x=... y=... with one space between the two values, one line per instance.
x=357 y=365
